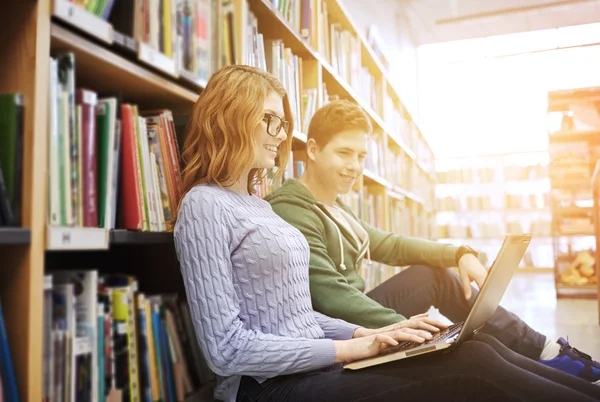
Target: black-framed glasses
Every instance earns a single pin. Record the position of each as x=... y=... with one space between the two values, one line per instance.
x=275 y=124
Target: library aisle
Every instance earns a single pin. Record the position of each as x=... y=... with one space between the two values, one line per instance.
x=95 y=101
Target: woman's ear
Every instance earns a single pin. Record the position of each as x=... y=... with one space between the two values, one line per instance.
x=311 y=149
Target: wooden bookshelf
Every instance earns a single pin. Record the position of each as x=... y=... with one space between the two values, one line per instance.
x=31 y=36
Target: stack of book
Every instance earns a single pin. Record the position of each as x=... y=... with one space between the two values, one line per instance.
x=104 y=152
x=178 y=33
x=11 y=158
x=105 y=339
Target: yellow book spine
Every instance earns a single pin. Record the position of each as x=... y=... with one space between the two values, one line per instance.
x=167 y=30
x=154 y=379
x=123 y=309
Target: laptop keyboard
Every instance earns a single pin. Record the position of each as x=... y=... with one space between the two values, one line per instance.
x=443 y=335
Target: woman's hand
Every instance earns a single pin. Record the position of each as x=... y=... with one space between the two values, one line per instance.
x=417 y=322
x=372 y=345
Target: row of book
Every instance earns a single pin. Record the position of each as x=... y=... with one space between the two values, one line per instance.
x=400 y=169
x=477 y=229
x=487 y=175
x=490 y=203
x=107 y=156
x=374 y=160
x=525 y=173
x=271 y=55
x=373 y=210
x=11 y=158
x=182 y=32
x=469 y=175
x=105 y=339
x=405 y=219
x=100 y=8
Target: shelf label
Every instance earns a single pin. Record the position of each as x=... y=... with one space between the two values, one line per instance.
x=76 y=238
x=156 y=59
x=83 y=20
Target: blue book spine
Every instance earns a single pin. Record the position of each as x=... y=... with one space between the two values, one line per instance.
x=9 y=382
x=167 y=361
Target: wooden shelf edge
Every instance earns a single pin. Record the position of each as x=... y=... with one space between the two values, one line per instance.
x=14 y=236
x=375 y=178
x=124 y=236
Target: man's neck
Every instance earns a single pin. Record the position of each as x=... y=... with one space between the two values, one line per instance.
x=317 y=188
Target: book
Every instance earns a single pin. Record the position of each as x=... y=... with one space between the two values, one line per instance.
x=11 y=150
x=9 y=381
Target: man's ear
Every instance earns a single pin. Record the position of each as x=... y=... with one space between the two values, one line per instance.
x=311 y=149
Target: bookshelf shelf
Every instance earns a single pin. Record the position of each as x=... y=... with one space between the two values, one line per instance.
x=122 y=236
x=104 y=70
x=576 y=291
x=336 y=84
x=410 y=195
x=374 y=178
x=14 y=236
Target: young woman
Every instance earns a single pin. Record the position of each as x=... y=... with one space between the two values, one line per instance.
x=246 y=278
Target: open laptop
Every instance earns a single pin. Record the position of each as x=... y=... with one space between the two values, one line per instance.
x=485 y=306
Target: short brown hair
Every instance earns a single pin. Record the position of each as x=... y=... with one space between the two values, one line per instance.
x=335 y=117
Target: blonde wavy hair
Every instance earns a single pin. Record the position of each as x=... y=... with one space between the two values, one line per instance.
x=219 y=142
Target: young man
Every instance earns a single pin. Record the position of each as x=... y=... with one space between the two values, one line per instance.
x=339 y=242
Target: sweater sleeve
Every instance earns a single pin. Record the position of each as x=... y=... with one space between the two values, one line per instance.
x=397 y=250
x=202 y=244
x=334 y=328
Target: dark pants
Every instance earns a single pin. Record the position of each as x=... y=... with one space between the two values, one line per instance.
x=417 y=288
x=474 y=371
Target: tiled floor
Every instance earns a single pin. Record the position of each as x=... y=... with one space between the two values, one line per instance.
x=532 y=297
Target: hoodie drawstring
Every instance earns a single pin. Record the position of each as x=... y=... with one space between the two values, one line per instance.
x=340 y=238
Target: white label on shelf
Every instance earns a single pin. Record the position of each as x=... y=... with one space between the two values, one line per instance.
x=156 y=59
x=76 y=238
x=84 y=20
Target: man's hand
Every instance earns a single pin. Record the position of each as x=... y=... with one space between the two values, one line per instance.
x=420 y=322
x=470 y=269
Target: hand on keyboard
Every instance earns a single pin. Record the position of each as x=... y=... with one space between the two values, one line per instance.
x=420 y=322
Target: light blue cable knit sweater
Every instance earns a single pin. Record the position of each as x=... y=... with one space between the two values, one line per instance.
x=246 y=277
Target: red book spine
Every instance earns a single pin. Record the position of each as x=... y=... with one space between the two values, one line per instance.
x=130 y=189
x=87 y=100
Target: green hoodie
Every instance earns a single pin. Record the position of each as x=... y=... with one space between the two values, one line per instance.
x=336 y=287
